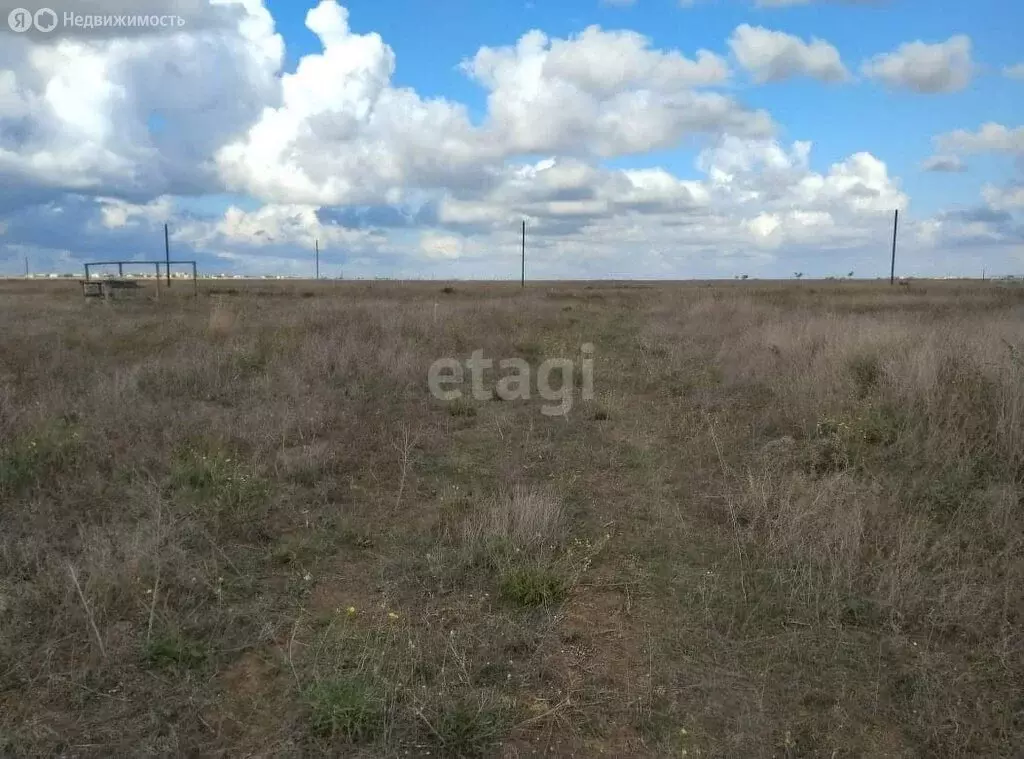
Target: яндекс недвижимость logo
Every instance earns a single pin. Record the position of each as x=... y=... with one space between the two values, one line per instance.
x=22 y=20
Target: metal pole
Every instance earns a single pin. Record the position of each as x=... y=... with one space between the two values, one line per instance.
x=87 y=272
x=120 y=270
x=524 y=254
x=895 y=230
x=317 y=243
x=26 y=266
x=167 y=251
x=195 y=281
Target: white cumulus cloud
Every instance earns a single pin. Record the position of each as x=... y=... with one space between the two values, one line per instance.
x=605 y=93
x=925 y=68
x=79 y=113
x=272 y=225
x=117 y=214
x=990 y=138
x=772 y=56
x=1004 y=198
x=345 y=134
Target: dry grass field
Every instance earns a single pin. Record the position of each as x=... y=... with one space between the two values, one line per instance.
x=790 y=523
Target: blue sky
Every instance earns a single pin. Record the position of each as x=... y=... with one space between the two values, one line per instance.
x=408 y=149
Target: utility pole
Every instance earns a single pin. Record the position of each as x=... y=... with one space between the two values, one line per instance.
x=524 y=254
x=167 y=252
x=895 y=230
x=316 y=243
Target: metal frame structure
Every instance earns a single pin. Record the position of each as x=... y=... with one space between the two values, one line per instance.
x=156 y=264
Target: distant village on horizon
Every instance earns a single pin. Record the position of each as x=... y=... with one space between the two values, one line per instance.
x=177 y=275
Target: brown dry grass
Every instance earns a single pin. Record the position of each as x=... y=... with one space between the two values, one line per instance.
x=791 y=524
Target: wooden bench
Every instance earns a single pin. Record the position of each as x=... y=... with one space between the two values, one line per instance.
x=109 y=288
